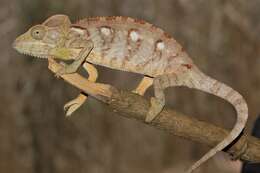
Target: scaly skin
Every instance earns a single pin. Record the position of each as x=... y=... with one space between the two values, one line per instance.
x=130 y=45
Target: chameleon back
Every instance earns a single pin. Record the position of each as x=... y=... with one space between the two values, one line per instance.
x=132 y=45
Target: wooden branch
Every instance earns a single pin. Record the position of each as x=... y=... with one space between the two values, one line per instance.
x=131 y=105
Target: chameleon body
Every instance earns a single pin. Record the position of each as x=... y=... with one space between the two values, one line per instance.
x=130 y=45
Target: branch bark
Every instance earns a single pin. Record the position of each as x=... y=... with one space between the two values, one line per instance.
x=133 y=106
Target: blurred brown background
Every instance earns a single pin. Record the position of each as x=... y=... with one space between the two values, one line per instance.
x=221 y=36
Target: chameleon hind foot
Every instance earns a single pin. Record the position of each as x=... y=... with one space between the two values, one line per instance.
x=145 y=83
x=154 y=110
x=74 y=104
x=242 y=151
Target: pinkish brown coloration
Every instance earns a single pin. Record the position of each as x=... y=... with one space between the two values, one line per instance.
x=189 y=66
x=130 y=45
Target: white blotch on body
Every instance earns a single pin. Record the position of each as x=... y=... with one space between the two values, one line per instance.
x=160 y=45
x=134 y=36
x=78 y=30
x=54 y=35
x=106 y=31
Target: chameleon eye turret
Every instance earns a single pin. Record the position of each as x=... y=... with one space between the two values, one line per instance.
x=38 y=32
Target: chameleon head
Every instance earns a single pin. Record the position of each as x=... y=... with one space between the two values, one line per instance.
x=45 y=39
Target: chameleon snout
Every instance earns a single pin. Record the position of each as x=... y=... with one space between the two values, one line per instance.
x=18 y=42
x=15 y=43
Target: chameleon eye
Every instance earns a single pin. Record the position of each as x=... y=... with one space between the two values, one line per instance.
x=38 y=32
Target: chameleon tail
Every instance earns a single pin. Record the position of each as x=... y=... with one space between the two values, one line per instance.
x=200 y=81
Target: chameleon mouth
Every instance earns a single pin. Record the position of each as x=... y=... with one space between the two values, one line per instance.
x=37 y=55
x=29 y=49
x=27 y=52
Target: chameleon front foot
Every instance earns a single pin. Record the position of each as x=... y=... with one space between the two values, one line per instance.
x=154 y=110
x=67 y=69
x=74 y=104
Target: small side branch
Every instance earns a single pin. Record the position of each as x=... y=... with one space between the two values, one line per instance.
x=133 y=106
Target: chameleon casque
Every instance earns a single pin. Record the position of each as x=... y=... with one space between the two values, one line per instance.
x=130 y=45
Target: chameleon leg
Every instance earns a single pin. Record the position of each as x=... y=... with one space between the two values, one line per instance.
x=73 y=67
x=158 y=102
x=143 y=85
x=74 y=104
x=242 y=150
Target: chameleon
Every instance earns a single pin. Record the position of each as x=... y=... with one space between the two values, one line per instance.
x=132 y=45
